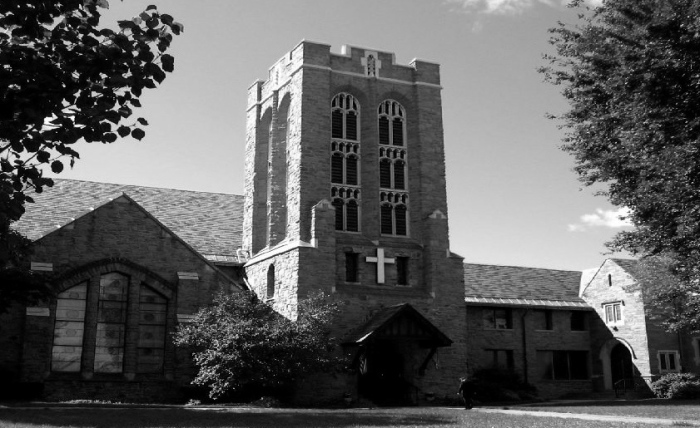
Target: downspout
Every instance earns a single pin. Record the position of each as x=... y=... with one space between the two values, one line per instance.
x=525 y=366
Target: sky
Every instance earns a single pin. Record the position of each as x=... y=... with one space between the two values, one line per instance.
x=513 y=198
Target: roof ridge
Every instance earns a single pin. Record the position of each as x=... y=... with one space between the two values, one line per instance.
x=522 y=267
x=146 y=187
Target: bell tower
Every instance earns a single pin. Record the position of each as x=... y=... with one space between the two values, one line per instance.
x=345 y=193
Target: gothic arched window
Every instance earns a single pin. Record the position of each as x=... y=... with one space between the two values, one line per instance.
x=345 y=161
x=124 y=307
x=69 y=328
x=393 y=169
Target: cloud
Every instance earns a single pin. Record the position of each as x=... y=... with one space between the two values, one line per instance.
x=602 y=218
x=509 y=7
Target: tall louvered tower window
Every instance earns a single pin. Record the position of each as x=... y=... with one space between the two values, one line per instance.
x=345 y=162
x=393 y=193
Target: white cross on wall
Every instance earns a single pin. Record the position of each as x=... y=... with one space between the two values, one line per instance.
x=380 y=260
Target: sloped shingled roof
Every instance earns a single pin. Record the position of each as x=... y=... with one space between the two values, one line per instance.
x=521 y=286
x=385 y=316
x=211 y=223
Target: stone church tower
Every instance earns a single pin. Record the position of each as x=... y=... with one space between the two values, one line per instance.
x=345 y=193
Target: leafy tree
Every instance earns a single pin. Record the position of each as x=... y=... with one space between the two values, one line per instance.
x=239 y=343
x=630 y=71
x=670 y=300
x=64 y=80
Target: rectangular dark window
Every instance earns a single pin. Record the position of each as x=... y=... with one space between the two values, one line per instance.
x=339 y=217
x=385 y=173
x=351 y=126
x=498 y=318
x=351 y=267
x=352 y=219
x=398 y=132
x=386 y=219
x=399 y=175
x=578 y=321
x=337 y=124
x=563 y=365
x=351 y=170
x=543 y=319
x=337 y=168
x=402 y=270
x=383 y=130
x=400 y=213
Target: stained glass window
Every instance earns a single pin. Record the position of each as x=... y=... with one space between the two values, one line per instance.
x=69 y=329
x=151 y=344
x=111 y=323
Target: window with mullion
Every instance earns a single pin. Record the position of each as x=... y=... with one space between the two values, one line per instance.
x=345 y=161
x=392 y=169
x=67 y=351
x=111 y=323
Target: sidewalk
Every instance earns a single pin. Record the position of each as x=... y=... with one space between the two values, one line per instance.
x=588 y=417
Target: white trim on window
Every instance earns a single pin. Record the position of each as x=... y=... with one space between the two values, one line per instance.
x=613 y=313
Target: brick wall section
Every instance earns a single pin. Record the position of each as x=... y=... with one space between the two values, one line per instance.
x=118 y=236
x=11 y=333
x=560 y=338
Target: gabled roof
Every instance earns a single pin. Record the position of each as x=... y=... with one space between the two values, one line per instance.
x=628 y=265
x=402 y=321
x=521 y=286
x=211 y=223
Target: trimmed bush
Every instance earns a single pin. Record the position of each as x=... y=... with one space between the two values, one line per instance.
x=677 y=386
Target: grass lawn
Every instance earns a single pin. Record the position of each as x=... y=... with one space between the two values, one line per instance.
x=649 y=408
x=154 y=417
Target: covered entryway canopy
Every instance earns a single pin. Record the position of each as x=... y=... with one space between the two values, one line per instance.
x=399 y=321
x=392 y=348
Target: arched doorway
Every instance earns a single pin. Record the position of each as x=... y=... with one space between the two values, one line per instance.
x=620 y=363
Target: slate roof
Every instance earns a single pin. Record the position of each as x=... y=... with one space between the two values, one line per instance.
x=522 y=286
x=211 y=223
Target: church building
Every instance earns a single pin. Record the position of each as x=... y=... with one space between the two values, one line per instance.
x=345 y=194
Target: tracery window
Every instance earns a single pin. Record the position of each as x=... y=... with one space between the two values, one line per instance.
x=152 y=319
x=69 y=329
x=111 y=323
x=345 y=162
x=393 y=155
x=113 y=311
x=347 y=208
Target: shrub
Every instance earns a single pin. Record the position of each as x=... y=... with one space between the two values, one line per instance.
x=677 y=386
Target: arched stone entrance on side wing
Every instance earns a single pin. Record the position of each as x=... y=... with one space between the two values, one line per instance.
x=617 y=356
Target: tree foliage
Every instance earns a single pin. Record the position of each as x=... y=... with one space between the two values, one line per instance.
x=239 y=342
x=630 y=71
x=65 y=79
x=672 y=301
